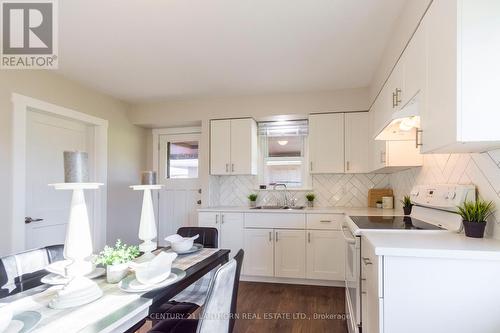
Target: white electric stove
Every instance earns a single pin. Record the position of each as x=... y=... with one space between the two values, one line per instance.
x=433 y=211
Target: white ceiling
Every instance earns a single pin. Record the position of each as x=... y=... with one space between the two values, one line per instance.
x=150 y=49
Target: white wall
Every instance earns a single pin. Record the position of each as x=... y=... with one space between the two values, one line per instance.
x=126 y=146
x=198 y=112
x=187 y=112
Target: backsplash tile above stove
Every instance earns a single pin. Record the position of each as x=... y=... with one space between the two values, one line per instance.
x=482 y=170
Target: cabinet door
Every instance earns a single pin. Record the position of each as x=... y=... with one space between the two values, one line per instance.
x=439 y=121
x=231 y=232
x=290 y=253
x=371 y=290
x=259 y=252
x=243 y=147
x=357 y=128
x=395 y=85
x=325 y=255
x=326 y=143
x=379 y=154
x=415 y=67
x=209 y=220
x=220 y=147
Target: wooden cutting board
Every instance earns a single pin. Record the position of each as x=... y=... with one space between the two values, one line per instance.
x=376 y=194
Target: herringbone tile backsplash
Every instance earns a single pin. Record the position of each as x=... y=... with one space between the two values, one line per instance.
x=482 y=170
x=348 y=190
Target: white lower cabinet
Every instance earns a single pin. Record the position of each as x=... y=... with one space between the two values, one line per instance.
x=312 y=247
x=290 y=253
x=259 y=252
x=325 y=252
x=371 y=289
x=229 y=226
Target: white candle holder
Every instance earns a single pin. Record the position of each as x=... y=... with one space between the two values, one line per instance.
x=147 y=226
x=77 y=248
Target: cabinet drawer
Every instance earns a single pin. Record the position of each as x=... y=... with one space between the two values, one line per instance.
x=275 y=220
x=325 y=221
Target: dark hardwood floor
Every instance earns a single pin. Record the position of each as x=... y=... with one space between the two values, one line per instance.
x=271 y=307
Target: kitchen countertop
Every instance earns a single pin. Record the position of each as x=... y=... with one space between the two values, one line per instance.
x=362 y=211
x=432 y=244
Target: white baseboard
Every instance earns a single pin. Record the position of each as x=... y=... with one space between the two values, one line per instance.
x=309 y=282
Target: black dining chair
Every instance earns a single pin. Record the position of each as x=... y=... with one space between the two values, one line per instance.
x=209 y=238
x=220 y=307
x=23 y=271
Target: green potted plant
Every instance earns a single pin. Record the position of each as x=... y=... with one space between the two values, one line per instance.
x=117 y=259
x=310 y=199
x=253 y=199
x=407 y=204
x=475 y=215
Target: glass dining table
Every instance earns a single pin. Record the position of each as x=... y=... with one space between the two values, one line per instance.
x=116 y=310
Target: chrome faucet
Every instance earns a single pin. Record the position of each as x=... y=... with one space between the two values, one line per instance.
x=285 y=193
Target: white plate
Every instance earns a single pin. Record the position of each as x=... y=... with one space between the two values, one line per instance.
x=56 y=279
x=131 y=285
x=24 y=322
x=196 y=247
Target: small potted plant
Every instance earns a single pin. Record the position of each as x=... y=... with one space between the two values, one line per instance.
x=407 y=204
x=379 y=204
x=310 y=199
x=252 y=199
x=475 y=215
x=117 y=259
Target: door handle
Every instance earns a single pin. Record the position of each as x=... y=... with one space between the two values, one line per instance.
x=28 y=220
x=222 y=219
x=367 y=261
x=227 y=167
x=309 y=237
x=398 y=96
x=417 y=132
x=270 y=236
x=232 y=167
x=217 y=219
x=276 y=237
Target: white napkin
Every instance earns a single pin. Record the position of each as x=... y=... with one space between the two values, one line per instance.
x=5 y=316
x=156 y=270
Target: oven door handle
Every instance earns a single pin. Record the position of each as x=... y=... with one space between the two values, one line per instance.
x=349 y=240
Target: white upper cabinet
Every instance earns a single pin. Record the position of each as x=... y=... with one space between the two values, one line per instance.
x=414 y=63
x=326 y=143
x=451 y=64
x=463 y=75
x=220 y=147
x=233 y=147
x=393 y=156
x=357 y=135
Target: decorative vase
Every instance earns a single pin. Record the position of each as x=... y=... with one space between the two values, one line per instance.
x=253 y=203
x=474 y=229
x=115 y=273
x=310 y=203
x=407 y=209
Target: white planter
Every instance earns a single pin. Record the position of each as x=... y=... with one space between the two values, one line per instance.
x=115 y=273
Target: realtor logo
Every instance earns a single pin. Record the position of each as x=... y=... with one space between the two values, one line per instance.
x=29 y=34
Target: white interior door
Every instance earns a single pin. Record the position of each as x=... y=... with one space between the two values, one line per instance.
x=178 y=171
x=46 y=139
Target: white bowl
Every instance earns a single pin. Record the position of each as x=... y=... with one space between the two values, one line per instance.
x=181 y=244
x=5 y=316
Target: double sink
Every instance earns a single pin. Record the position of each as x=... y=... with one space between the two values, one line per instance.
x=280 y=207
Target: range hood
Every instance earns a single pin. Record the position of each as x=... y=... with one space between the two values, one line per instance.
x=404 y=123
